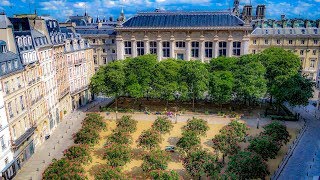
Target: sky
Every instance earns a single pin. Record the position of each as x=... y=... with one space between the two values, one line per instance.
x=61 y=9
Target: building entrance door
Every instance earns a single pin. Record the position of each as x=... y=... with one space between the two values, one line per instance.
x=180 y=56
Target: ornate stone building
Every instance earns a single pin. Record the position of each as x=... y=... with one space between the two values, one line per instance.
x=183 y=35
x=297 y=35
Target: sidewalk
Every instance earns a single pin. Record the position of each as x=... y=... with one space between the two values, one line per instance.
x=59 y=140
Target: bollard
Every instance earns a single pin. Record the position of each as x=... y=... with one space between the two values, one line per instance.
x=43 y=161
x=54 y=147
x=58 y=142
x=66 y=122
x=61 y=136
x=49 y=154
x=66 y=132
x=37 y=169
x=69 y=127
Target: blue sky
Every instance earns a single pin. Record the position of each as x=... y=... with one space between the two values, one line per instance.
x=61 y=9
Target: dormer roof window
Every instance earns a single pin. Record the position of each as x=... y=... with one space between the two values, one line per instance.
x=3 y=47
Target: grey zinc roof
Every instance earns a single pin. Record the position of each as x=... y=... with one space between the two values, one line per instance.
x=183 y=19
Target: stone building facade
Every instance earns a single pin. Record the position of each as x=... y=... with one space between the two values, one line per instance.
x=183 y=35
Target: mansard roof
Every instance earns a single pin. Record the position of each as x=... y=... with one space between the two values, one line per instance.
x=165 y=19
x=9 y=63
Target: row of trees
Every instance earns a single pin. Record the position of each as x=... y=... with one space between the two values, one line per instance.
x=274 y=72
x=250 y=163
x=71 y=165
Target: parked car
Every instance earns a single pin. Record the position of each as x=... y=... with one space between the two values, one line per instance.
x=169 y=149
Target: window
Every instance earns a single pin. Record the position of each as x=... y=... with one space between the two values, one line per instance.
x=25 y=41
x=166 y=49
x=113 y=51
x=20 y=42
x=15 y=64
x=312 y=63
x=6 y=87
x=6 y=161
x=222 y=48
x=279 y=31
x=3 y=145
x=267 y=32
x=93 y=40
x=10 y=110
x=291 y=32
x=104 y=50
x=303 y=31
x=140 y=48
x=254 y=51
x=112 y=41
x=315 y=31
x=103 y=41
x=22 y=103
x=301 y=52
x=3 y=68
x=254 y=41
x=209 y=49
x=278 y=41
x=29 y=41
x=18 y=82
x=290 y=41
x=314 y=52
x=266 y=41
x=127 y=47
x=153 y=47
x=195 y=49
x=9 y=66
x=95 y=60
x=180 y=44
x=104 y=60
x=302 y=41
x=315 y=41
x=236 y=48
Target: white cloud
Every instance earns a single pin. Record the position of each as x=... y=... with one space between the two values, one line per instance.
x=80 y=5
x=5 y=3
x=53 y=5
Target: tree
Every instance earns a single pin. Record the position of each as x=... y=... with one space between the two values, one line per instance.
x=195 y=75
x=265 y=146
x=155 y=160
x=139 y=72
x=127 y=124
x=225 y=144
x=118 y=154
x=149 y=139
x=221 y=86
x=189 y=141
x=64 y=169
x=78 y=153
x=239 y=130
x=109 y=173
x=198 y=126
x=277 y=131
x=247 y=165
x=199 y=163
x=166 y=79
x=249 y=77
x=87 y=135
x=119 y=136
x=280 y=65
x=110 y=80
x=296 y=90
x=164 y=175
x=162 y=125
x=222 y=63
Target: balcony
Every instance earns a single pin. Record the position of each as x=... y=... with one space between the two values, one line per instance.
x=34 y=101
x=24 y=137
x=77 y=90
x=64 y=93
x=79 y=61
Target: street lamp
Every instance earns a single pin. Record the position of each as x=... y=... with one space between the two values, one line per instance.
x=177 y=96
x=258 y=121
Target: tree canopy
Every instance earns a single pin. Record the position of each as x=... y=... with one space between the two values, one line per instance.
x=277 y=131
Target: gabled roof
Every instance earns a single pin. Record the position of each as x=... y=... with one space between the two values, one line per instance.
x=4 y=22
x=165 y=19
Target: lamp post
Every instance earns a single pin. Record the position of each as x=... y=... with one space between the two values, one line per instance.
x=258 y=121
x=177 y=96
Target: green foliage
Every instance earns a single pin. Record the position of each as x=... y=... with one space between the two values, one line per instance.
x=249 y=78
x=189 y=141
x=199 y=163
x=164 y=175
x=247 y=165
x=95 y=121
x=223 y=64
x=195 y=76
x=225 y=144
x=127 y=124
x=221 y=86
x=117 y=154
x=239 y=130
x=296 y=90
x=155 y=160
x=64 y=169
x=264 y=146
x=139 y=72
x=78 y=153
x=120 y=137
x=109 y=173
x=149 y=139
x=198 y=126
x=277 y=131
x=87 y=135
x=162 y=125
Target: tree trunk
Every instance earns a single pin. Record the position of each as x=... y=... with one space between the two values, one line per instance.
x=223 y=156
x=271 y=99
x=167 y=104
x=193 y=109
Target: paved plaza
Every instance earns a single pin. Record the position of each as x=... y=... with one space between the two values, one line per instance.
x=305 y=160
x=59 y=140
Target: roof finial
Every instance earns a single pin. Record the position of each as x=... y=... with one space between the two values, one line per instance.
x=85 y=9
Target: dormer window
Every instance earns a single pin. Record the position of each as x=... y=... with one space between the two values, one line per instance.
x=315 y=31
x=50 y=24
x=29 y=41
x=25 y=43
x=267 y=32
x=3 y=68
x=3 y=49
x=16 y=64
x=278 y=31
x=9 y=66
x=290 y=31
x=303 y=31
x=19 y=41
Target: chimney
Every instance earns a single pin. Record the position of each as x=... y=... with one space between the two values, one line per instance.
x=283 y=16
